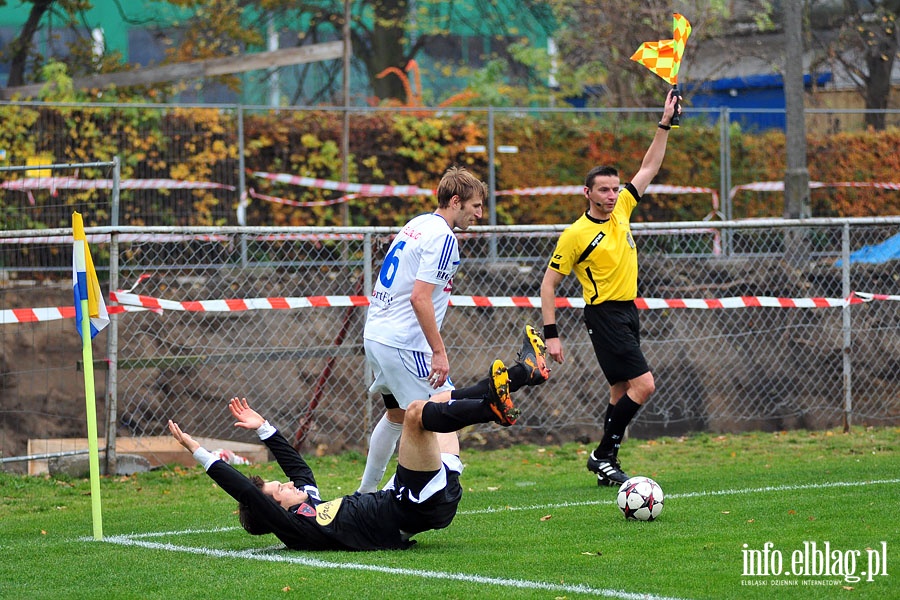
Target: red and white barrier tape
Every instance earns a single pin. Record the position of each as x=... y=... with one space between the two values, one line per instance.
x=373 y=190
x=474 y=301
x=364 y=189
x=867 y=297
x=103 y=238
x=578 y=190
x=275 y=199
x=129 y=302
x=778 y=186
x=33 y=315
x=238 y=304
x=74 y=183
x=53 y=184
x=662 y=303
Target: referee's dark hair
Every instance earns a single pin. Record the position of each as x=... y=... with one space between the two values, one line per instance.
x=601 y=171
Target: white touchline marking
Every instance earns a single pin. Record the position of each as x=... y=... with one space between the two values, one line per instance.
x=265 y=554
x=731 y=492
x=296 y=559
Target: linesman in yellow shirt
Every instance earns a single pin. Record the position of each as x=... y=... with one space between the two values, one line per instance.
x=599 y=249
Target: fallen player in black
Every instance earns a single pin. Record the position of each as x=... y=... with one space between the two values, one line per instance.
x=422 y=495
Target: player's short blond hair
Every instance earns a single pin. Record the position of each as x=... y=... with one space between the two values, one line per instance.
x=457 y=181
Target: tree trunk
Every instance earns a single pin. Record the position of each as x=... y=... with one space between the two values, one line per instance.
x=22 y=44
x=878 y=85
x=796 y=177
x=388 y=34
x=796 y=188
x=881 y=52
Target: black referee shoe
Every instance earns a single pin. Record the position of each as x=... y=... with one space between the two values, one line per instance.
x=607 y=469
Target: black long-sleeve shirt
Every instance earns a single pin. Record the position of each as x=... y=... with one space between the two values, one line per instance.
x=354 y=522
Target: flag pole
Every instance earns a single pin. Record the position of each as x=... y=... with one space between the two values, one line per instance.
x=676 y=119
x=85 y=286
x=91 y=406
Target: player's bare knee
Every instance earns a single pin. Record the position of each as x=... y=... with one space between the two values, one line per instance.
x=641 y=388
x=414 y=413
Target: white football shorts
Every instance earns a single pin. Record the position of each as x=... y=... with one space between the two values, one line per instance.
x=401 y=373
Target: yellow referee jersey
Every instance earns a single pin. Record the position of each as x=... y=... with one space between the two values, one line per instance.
x=601 y=253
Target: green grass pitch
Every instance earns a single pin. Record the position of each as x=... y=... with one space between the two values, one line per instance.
x=754 y=515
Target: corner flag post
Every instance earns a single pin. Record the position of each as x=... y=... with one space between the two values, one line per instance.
x=91 y=317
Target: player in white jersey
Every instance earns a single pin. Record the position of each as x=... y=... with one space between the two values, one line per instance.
x=402 y=336
x=426 y=252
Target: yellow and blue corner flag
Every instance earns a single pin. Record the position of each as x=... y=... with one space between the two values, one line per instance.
x=84 y=281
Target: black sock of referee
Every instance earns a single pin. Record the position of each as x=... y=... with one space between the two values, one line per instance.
x=608 y=416
x=446 y=417
x=621 y=416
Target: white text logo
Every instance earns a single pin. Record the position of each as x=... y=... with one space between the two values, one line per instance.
x=815 y=560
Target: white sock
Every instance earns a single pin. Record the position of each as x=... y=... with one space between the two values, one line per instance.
x=381 y=449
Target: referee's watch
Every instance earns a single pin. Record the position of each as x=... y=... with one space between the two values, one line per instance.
x=663 y=127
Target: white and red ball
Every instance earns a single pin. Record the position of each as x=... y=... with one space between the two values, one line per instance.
x=640 y=499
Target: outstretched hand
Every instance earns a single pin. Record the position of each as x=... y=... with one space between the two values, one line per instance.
x=671 y=109
x=182 y=438
x=247 y=418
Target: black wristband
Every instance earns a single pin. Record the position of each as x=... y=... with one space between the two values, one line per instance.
x=550 y=331
x=664 y=127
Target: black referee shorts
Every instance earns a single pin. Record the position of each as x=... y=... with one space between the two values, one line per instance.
x=615 y=333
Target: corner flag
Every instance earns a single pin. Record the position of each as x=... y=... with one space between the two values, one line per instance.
x=84 y=281
x=90 y=311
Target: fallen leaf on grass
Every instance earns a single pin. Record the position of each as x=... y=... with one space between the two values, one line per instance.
x=546 y=517
x=597 y=553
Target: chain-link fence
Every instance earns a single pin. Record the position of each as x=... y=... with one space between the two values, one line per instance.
x=202 y=164
x=198 y=334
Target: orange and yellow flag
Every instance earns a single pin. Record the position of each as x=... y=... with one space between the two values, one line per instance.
x=664 y=57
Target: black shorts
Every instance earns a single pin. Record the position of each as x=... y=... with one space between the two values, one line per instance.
x=434 y=513
x=615 y=332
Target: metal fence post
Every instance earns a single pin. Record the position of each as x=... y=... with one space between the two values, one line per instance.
x=368 y=284
x=243 y=198
x=492 y=183
x=845 y=327
x=112 y=339
x=725 y=176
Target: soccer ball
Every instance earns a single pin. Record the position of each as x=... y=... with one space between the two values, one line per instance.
x=640 y=498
